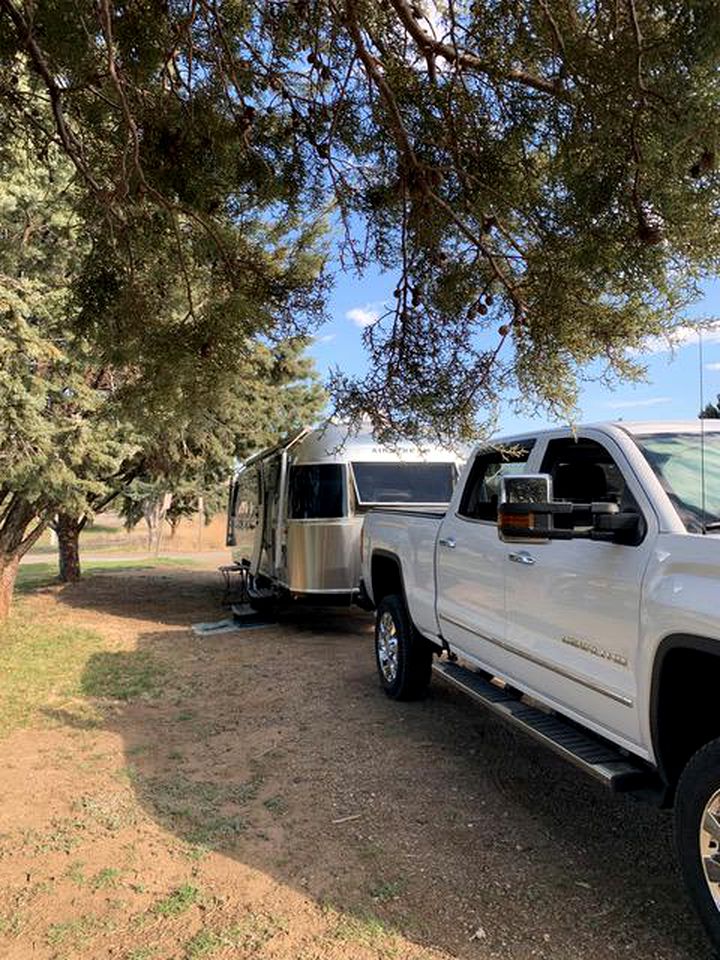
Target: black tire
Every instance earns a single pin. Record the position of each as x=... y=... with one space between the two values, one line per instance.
x=410 y=677
x=699 y=782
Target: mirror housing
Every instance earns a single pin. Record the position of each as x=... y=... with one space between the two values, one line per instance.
x=527 y=512
x=625 y=528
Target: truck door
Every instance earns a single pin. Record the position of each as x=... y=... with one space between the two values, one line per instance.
x=470 y=558
x=573 y=606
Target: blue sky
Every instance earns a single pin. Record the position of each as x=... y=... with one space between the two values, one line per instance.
x=670 y=392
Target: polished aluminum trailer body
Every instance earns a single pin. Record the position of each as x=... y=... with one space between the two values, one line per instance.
x=296 y=510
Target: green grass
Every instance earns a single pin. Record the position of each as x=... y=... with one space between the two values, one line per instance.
x=177 y=902
x=105 y=879
x=250 y=936
x=76 y=873
x=122 y=675
x=12 y=924
x=73 y=933
x=38 y=663
x=32 y=576
x=277 y=806
x=202 y=944
x=387 y=891
x=42 y=665
x=365 y=929
x=141 y=953
x=197 y=810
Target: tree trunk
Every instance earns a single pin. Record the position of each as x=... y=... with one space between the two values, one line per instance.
x=21 y=526
x=68 y=530
x=8 y=572
x=154 y=511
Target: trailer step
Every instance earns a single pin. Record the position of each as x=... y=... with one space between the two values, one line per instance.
x=595 y=756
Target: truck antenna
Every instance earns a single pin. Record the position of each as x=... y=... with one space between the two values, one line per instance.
x=702 y=432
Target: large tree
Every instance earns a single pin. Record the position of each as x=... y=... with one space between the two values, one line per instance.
x=115 y=365
x=57 y=439
x=539 y=176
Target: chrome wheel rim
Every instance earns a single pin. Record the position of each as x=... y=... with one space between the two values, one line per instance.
x=387 y=647
x=710 y=846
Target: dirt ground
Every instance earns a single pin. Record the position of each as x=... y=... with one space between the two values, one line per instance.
x=254 y=794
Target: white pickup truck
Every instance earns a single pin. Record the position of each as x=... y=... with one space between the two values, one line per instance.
x=573 y=587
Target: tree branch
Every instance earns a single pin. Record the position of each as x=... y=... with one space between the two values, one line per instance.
x=463 y=58
x=69 y=141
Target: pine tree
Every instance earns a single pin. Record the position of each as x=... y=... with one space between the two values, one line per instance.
x=105 y=374
x=58 y=440
x=711 y=411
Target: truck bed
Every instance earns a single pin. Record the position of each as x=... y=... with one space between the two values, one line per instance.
x=408 y=532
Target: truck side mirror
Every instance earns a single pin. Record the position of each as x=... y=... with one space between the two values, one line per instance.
x=616 y=527
x=526 y=510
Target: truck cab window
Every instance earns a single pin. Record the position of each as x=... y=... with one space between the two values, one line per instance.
x=482 y=490
x=583 y=471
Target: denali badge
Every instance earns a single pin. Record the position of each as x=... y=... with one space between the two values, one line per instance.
x=596 y=651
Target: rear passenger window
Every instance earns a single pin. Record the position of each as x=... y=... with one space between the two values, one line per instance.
x=482 y=489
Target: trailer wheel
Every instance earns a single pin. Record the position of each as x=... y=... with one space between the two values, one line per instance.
x=697 y=834
x=403 y=656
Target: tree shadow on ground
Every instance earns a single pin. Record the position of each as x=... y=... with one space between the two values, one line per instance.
x=276 y=748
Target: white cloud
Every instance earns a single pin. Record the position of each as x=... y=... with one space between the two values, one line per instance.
x=325 y=338
x=680 y=337
x=364 y=316
x=648 y=402
x=712 y=366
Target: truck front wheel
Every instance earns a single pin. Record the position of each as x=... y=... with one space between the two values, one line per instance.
x=404 y=656
x=697 y=834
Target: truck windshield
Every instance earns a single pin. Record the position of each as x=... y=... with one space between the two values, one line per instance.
x=676 y=458
x=404 y=482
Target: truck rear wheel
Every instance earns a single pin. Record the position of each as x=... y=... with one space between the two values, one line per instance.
x=697 y=834
x=404 y=656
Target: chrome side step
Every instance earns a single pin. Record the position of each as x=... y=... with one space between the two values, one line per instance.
x=595 y=756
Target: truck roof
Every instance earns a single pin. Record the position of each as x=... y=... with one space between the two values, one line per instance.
x=645 y=427
x=636 y=428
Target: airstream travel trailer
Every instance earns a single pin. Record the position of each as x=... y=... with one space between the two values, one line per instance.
x=295 y=511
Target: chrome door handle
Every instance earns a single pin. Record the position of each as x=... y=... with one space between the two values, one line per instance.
x=447 y=542
x=522 y=557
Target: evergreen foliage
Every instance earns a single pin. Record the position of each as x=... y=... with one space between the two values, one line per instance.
x=106 y=375
x=711 y=411
x=540 y=176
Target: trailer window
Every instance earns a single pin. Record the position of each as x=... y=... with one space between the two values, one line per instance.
x=316 y=491
x=247 y=499
x=404 y=482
